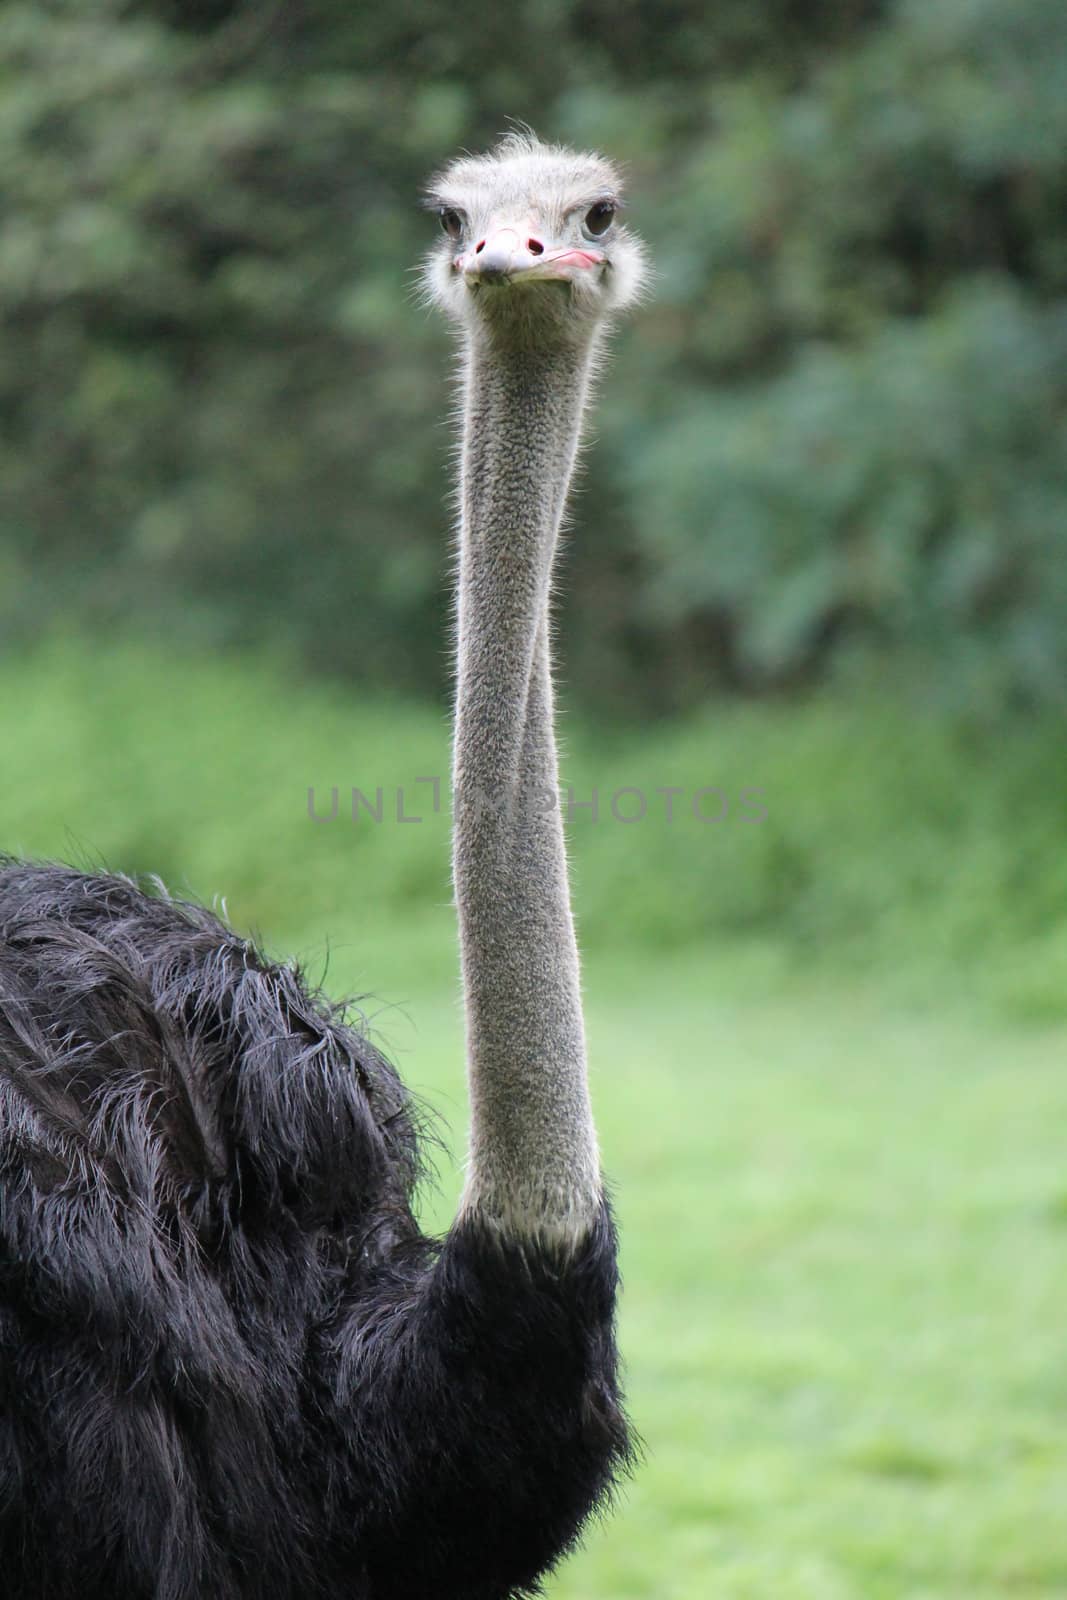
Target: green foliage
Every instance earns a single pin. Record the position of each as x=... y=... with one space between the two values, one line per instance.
x=836 y=440
x=908 y=492
x=877 y=457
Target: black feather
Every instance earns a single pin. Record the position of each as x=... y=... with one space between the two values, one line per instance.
x=230 y=1364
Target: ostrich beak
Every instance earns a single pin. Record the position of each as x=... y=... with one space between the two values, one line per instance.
x=511 y=253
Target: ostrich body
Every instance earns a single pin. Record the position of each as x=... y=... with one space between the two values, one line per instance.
x=231 y=1366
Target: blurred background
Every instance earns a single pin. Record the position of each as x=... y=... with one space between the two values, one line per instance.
x=820 y=553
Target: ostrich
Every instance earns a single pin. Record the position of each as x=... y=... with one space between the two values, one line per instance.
x=231 y=1366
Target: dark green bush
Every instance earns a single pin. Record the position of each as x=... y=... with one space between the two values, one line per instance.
x=836 y=439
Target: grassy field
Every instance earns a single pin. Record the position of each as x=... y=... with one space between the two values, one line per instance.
x=845 y=1242
x=830 y=1067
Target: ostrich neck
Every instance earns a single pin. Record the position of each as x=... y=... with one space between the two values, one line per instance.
x=534 y=1167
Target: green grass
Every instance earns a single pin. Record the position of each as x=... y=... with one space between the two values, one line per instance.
x=836 y=1135
x=845 y=1242
x=897 y=848
x=845 y=1255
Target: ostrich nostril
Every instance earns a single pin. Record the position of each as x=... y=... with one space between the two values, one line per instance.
x=479 y=247
x=535 y=247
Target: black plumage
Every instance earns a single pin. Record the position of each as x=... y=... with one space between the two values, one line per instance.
x=231 y=1366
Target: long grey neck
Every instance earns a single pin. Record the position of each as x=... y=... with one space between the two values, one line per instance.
x=534 y=1167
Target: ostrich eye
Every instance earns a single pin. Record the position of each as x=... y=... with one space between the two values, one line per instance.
x=598 y=218
x=451 y=222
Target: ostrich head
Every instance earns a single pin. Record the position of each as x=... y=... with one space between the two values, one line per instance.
x=532 y=249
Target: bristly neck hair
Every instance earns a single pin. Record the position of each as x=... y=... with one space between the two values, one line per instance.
x=534 y=1166
x=532 y=323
